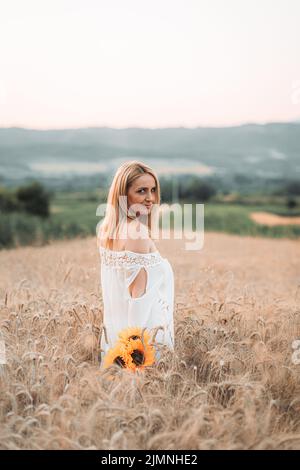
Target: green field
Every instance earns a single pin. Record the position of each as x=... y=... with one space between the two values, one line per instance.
x=74 y=214
x=230 y=218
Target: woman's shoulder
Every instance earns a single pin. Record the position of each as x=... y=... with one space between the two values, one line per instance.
x=137 y=239
x=138 y=246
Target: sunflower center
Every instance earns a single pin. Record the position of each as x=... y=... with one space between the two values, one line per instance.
x=138 y=357
x=119 y=361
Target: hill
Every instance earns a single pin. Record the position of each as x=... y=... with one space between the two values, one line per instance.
x=253 y=150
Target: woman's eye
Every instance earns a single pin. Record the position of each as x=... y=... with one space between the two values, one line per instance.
x=142 y=190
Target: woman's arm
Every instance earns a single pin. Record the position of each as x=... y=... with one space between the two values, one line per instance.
x=142 y=245
x=138 y=287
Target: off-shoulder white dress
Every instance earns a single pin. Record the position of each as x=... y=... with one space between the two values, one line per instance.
x=154 y=308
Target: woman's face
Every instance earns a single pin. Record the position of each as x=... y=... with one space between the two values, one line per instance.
x=143 y=193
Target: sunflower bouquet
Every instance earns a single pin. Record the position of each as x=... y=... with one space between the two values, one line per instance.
x=132 y=351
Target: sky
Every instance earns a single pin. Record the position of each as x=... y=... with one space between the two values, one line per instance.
x=148 y=63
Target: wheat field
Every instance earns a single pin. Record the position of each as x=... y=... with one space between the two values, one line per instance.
x=232 y=383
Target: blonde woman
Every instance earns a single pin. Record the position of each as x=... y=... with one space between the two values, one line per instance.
x=137 y=282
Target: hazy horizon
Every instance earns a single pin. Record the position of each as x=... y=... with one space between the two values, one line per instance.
x=172 y=64
x=297 y=121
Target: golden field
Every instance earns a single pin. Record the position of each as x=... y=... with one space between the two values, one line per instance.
x=233 y=382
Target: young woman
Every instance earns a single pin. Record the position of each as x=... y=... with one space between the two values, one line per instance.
x=137 y=282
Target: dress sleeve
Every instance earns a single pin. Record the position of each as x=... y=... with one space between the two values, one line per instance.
x=139 y=308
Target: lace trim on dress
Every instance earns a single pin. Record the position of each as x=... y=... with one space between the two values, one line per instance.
x=127 y=259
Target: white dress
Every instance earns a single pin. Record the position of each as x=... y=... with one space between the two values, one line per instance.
x=154 y=308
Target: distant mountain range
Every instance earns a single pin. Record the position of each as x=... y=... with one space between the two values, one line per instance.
x=254 y=150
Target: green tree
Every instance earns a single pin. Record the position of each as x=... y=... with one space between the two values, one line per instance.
x=34 y=199
x=196 y=189
x=8 y=201
x=291 y=203
x=293 y=188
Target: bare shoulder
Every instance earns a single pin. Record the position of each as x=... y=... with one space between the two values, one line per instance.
x=138 y=239
x=138 y=246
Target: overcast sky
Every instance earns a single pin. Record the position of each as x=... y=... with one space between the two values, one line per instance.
x=148 y=63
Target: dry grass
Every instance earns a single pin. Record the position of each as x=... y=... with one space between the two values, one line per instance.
x=273 y=220
x=231 y=383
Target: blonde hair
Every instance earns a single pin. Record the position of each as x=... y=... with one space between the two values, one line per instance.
x=123 y=179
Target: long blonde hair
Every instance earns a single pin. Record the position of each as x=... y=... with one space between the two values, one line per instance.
x=122 y=181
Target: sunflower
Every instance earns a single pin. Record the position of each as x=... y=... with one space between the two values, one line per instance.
x=138 y=355
x=115 y=356
x=132 y=351
x=133 y=333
